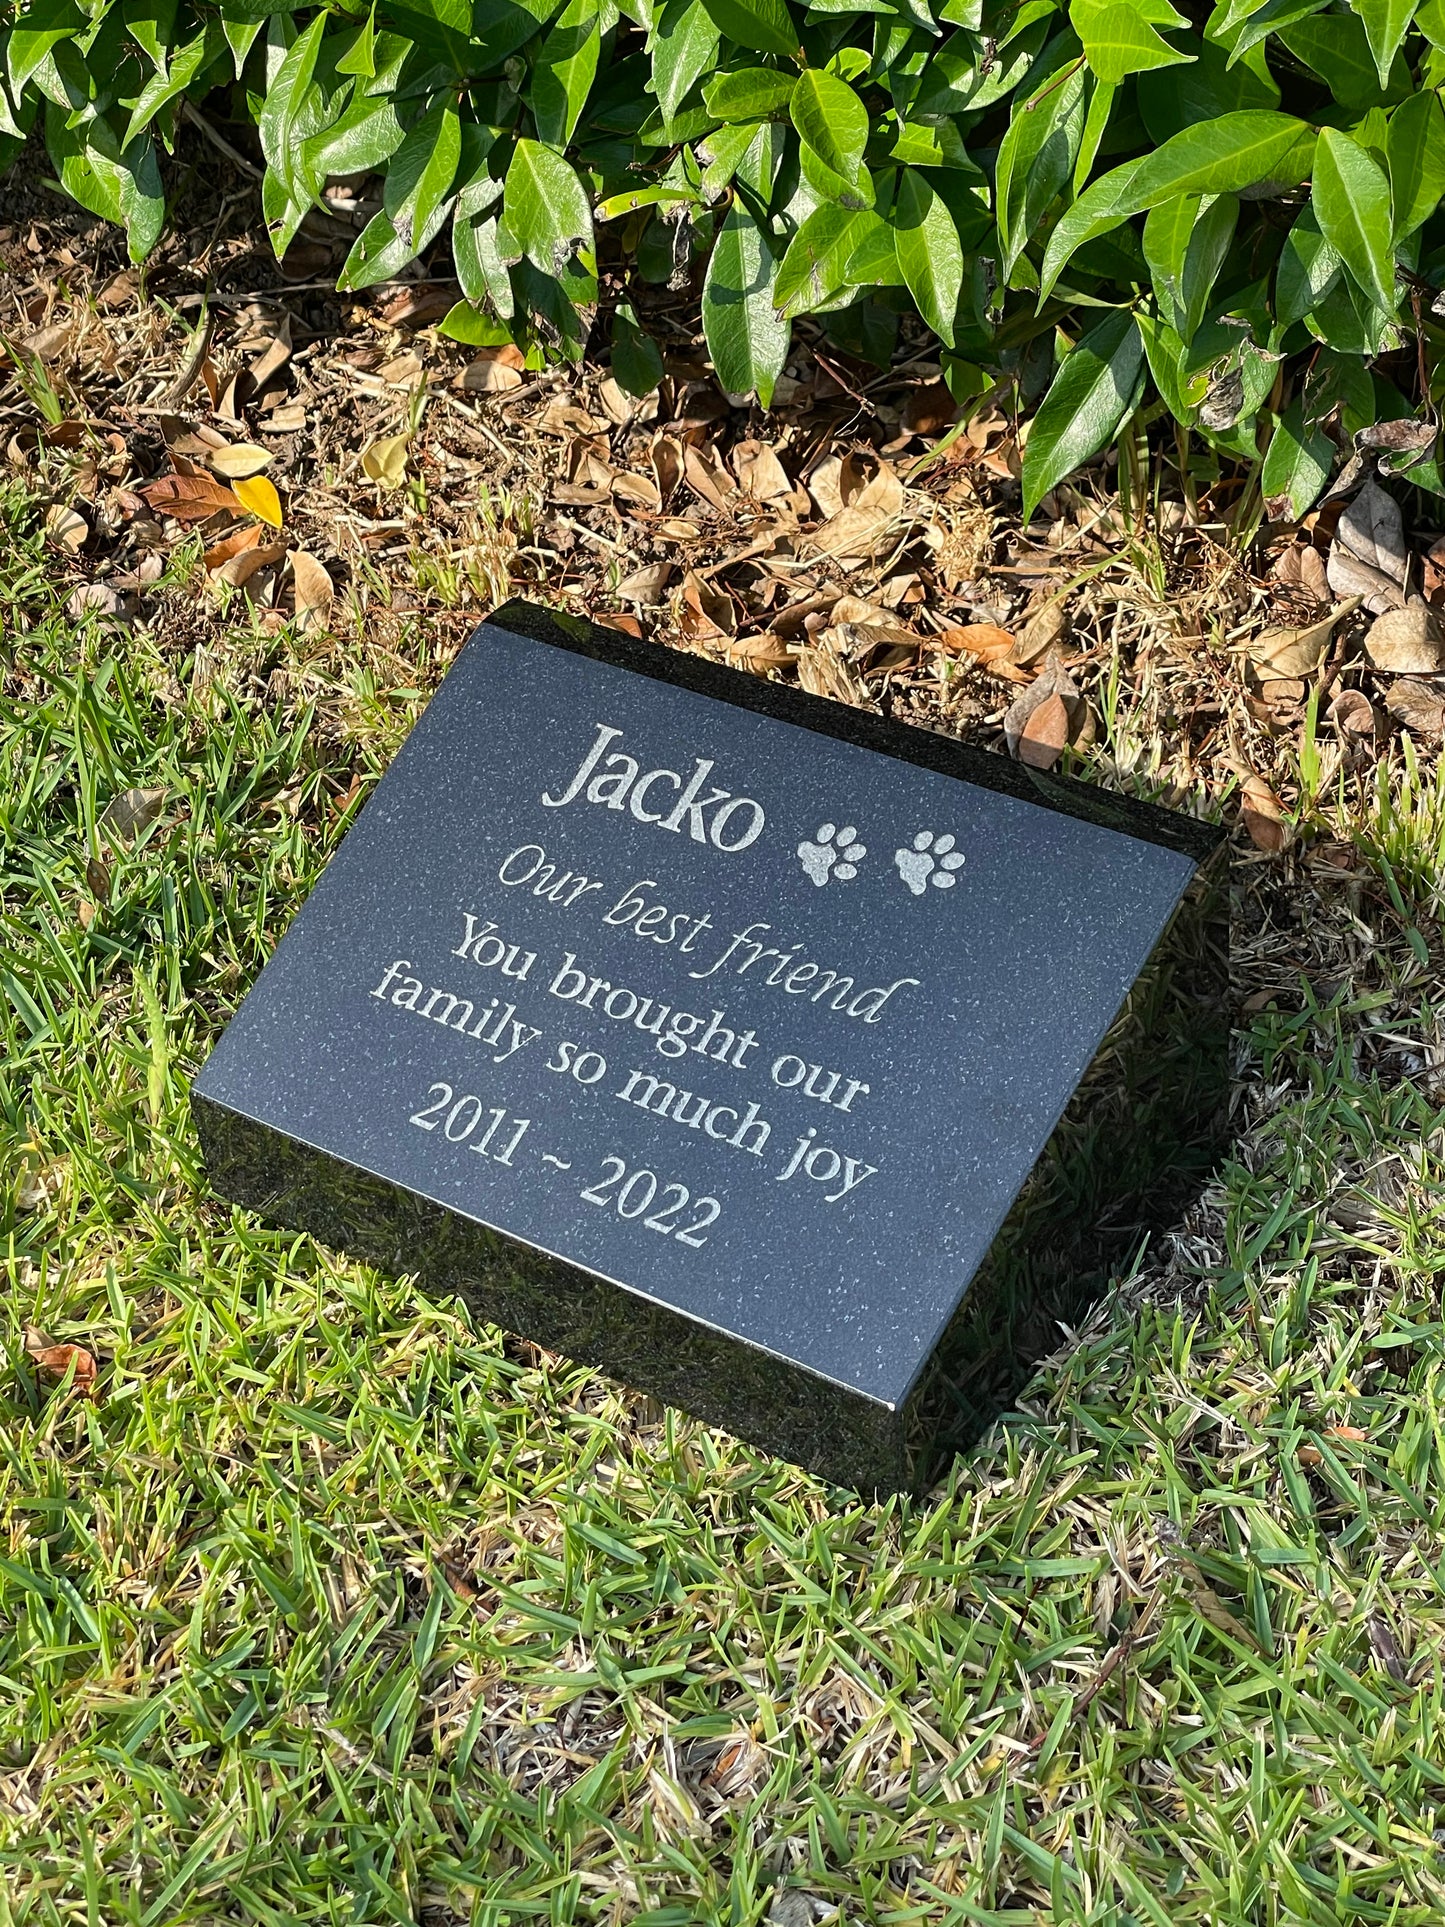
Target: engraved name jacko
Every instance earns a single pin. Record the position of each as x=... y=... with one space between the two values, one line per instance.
x=618 y=781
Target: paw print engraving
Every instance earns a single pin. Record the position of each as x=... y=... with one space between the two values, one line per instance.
x=932 y=859
x=833 y=855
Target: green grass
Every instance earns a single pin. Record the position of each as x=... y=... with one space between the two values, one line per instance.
x=331 y=1608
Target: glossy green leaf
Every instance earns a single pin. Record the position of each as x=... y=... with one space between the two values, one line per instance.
x=1241 y=25
x=831 y=121
x=421 y=176
x=1337 y=48
x=1415 y=150
x=1308 y=267
x=481 y=261
x=367 y=134
x=636 y=359
x=815 y=266
x=1186 y=243
x=746 y=337
x=1386 y=23
x=1121 y=37
x=930 y=253
x=186 y=63
x=546 y=206
x=151 y=24
x=850 y=191
x=45 y=25
x=1296 y=467
x=1351 y=199
x=360 y=56
x=564 y=70
x=473 y=327
x=1258 y=151
x=750 y=93
x=684 y=49
x=1096 y=389
x=1036 y=158
x=287 y=101
x=873 y=262
x=1173 y=98
x=120 y=184
x=763 y=24
x=1164 y=353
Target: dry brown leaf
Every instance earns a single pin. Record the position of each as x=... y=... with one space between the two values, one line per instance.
x=1045 y=734
x=852 y=608
x=1282 y=692
x=48 y=344
x=1434 y=572
x=871 y=646
x=1416 y=706
x=761 y=476
x=678 y=529
x=868 y=483
x=617 y=405
x=231 y=545
x=229 y=406
x=1407 y=642
x=55 y=1362
x=645 y=585
x=1301 y=566
x=97 y=878
x=706 y=614
x=190 y=498
x=416 y=305
x=929 y=411
x=314 y=590
x=707 y=478
x=275 y=357
x=130 y=812
x=1353 y=716
x=850 y=536
x=68 y=527
x=1263 y=815
x=239 y=460
x=288 y=420
x=666 y=456
x=638 y=489
x=401 y=371
x=629 y=625
x=1052 y=681
x=248 y=562
x=761 y=652
x=825 y=485
x=92 y=598
x=1043 y=627
x=872 y=505
x=492 y=373
x=1368 y=555
x=982 y=639
x=1297 y=652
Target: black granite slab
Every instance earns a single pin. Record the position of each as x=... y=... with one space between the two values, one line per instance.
x=790 y=1064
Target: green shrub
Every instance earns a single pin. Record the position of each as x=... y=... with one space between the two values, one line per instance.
x=1091 y=200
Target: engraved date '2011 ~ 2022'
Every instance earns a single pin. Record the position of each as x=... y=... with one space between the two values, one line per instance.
x=631 y=1194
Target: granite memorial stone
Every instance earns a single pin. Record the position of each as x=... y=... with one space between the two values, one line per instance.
x=795 y=1066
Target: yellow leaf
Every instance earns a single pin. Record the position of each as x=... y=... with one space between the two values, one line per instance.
x=384 y=462
x=240 y=460
x=259 y=496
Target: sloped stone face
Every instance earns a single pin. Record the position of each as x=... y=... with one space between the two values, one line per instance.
x=748 y=1047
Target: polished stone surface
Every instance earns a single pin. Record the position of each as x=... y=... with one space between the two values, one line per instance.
x=712 y=1033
